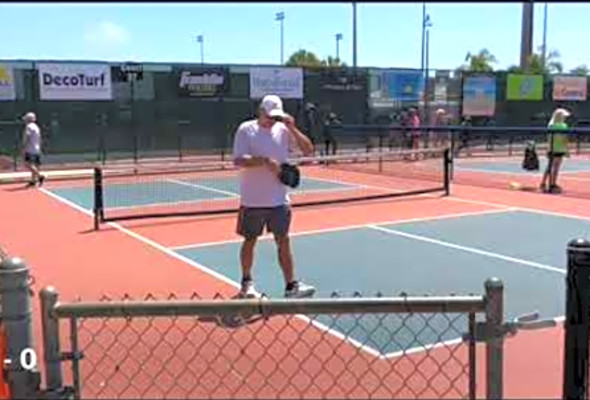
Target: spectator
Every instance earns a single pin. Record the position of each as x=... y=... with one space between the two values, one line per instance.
x=557 y=150
x=31 y=149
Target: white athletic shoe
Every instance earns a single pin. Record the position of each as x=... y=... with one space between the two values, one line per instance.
x=300 y=290
x=247 y=291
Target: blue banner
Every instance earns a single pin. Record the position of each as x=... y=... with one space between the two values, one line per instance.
x=404 y=85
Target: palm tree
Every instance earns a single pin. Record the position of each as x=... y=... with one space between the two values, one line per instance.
x=536 y=64
x=581 y=70
x=480 y=62
x=303 y=58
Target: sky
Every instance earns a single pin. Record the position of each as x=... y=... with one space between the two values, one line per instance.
x=388 y=34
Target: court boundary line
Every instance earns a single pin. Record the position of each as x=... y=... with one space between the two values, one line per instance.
x=337 y=334
x=195 y=185
x=267 y=237
x=537 y=174
x=468 y=249
x=518 y=208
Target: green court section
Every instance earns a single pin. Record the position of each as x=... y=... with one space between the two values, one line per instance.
x=369 y=261
x=569 y=165
x=170 y=191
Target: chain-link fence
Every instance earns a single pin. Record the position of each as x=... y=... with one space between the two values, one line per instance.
x=352 y=347
x=378 y=347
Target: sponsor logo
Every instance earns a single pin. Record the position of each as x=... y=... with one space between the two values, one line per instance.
x=342 y=84
x=207 y=84
x=77 y=80
x=5 y=76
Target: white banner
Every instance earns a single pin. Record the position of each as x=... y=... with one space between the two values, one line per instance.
x=7 y=89
x=570 y=88
x=74 y=82
x=286 y=83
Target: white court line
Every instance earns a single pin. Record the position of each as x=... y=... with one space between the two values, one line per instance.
x=532 y=175
x=213 y=273
x=446 y=343
x=232 y=283
x=518 y=208
x=348 y=227
x=195 y=185
x=468 y=249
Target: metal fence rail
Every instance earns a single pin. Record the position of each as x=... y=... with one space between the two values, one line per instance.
x=379 y=347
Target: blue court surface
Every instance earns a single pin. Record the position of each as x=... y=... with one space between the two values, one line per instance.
x=515 y=166
x=453 y=255
x=170 y=191
x=435 y=257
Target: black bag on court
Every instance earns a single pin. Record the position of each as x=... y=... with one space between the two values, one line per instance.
x=531 y=159
x=290 y=175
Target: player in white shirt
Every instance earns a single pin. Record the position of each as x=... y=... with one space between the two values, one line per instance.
x=32 y=148
x=260 y=147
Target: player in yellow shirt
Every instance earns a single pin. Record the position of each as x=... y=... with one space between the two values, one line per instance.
x=557 y=150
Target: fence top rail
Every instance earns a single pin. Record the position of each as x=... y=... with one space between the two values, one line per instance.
x=265 y=306
x=459 y=128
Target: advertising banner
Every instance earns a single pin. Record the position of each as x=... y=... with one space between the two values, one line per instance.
x=203 y=82
x=524 y=87
x=342 y=81
x=286 y=83
x=479 y=96
x=570 y=88
x=7 y=87
x=404 y=85
x=74 y=82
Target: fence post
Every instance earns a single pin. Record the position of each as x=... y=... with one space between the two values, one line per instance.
x=23 y=377
x=575 y=367
x=494 y=289
x=52 y=351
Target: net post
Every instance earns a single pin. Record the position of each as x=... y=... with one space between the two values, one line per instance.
x=494 y=314
x=179 y=146
x=135 y=147
x=98 y=209
x=447 y=171
x=576 y=325
x=50 y=328
x=23 y=378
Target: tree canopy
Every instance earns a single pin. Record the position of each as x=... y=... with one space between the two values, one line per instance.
x=308 y=59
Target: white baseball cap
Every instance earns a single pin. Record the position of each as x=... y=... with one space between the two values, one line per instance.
x=29 y=117
x=272 y=106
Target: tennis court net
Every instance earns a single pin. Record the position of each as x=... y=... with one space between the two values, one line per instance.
x=213 y=187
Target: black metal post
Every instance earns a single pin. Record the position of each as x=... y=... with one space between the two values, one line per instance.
x=447 y=171
x=577 y=329
x=98 y=210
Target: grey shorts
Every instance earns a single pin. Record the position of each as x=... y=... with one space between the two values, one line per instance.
x=252 y=221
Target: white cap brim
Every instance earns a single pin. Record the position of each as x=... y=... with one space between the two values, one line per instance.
x=276 y=113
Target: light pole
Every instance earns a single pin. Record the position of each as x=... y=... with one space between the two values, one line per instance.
x=338 y=39
x=200 y=41
x=354 y=34
x=426 y=52
x=280 y=16
x=423 y=35
x=545 y=36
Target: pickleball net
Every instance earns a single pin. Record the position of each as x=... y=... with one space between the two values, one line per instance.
x=213 y=187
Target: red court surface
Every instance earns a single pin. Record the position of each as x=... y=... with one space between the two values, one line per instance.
x=58 y=243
